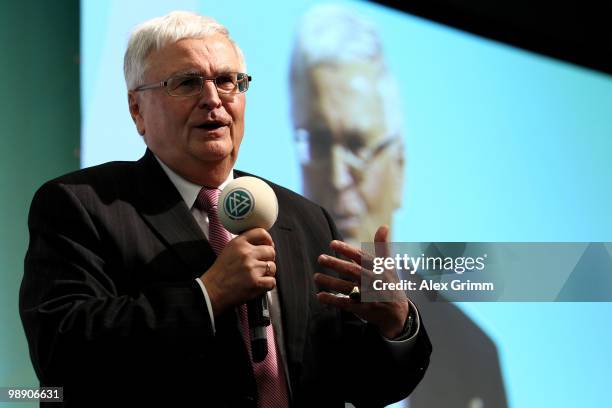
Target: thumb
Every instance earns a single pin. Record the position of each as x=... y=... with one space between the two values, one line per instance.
x=381 y=240
x=381 y=244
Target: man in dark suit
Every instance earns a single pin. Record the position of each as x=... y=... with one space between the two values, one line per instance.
x=128 y=295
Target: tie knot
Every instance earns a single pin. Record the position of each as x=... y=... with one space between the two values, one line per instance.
x=207 y=198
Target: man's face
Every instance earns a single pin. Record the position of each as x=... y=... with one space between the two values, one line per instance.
x=196 y=136
x=354 y=166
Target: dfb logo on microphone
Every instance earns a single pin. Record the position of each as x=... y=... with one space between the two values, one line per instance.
x=238 y=204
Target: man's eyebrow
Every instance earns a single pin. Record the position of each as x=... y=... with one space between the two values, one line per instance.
x=188 y=72
x=224 y=70
x=191 y=71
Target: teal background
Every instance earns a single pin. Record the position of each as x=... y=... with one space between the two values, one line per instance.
x=39 y=128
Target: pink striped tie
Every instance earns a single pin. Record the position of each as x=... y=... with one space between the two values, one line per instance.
x=271 y=383
x=218 y=236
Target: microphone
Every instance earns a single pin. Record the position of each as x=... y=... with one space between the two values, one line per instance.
x=246 y=203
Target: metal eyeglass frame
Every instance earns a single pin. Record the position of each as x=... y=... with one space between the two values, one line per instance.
x=164 y=84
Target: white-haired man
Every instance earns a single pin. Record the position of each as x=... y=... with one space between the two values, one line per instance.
x=134 y=292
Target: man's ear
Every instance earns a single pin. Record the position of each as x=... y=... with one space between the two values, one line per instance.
x=136 y=112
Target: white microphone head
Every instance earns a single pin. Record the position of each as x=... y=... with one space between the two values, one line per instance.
x=246 y=203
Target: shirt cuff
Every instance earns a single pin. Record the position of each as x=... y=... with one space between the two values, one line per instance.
x=412 y=326
x=208 y=304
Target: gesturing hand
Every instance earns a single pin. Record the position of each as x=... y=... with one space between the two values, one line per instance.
x=390 y=316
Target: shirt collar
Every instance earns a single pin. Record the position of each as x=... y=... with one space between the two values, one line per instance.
x=188 y=190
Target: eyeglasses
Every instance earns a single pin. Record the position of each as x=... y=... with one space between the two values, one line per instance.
x=315 y=149
x=191 y=85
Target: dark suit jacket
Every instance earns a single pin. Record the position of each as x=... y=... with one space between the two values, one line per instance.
x=466 y=366
x=113 y=314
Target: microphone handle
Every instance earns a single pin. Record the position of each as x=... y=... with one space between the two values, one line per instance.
x=259 y=319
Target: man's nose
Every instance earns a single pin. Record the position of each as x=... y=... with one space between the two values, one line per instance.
x=209 y=98
x=341 y=173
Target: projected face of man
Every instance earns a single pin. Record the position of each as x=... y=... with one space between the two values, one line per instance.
x=351 y=164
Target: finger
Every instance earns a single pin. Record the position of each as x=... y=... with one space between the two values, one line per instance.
x=269 y=268
x=343 y=303
x=264 y=253
x=349 y=251
x=258 y=236
x=381 y=241
x=346 y=268
x=266 y=283
x=338 y=285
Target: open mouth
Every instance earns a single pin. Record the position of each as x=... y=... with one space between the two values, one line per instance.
x=213 y=125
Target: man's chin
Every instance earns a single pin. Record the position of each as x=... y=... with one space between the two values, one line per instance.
x=213 y=150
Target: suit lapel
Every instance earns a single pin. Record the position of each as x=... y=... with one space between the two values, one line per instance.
x=164 y=210
x=293 y=290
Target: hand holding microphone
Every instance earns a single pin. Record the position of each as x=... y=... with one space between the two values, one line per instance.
x=244 y=271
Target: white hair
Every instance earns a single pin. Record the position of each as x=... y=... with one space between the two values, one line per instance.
x=332 y=34
x=158 y=32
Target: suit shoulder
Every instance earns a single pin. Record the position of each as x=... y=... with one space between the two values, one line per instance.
x=116 y=176
x=111 y=171
x=288 y=196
